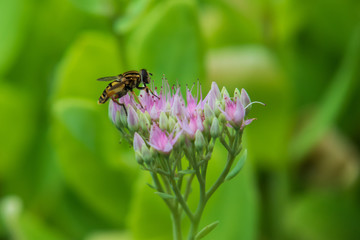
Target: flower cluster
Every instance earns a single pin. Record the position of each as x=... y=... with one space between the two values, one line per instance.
x=174 y=139
x=165 y=122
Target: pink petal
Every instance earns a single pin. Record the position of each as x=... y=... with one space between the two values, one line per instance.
x=178 y=107
x=244 y=98
x=174 y=140
x=215 y=89
x=138 y=142
x=132 y=118
x=191 y=103
x=239 y=112
x=248 y=121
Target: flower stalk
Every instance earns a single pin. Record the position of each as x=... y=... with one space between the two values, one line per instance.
x=174 y=140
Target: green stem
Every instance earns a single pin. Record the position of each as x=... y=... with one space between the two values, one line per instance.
x=176 y=220
x=222 y=176
x=188 y=186
x=202 y=201
x=159 y=188
x=229 y=163
x=180 y=199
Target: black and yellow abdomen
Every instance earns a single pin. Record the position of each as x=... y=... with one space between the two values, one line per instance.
x=104 y=97
x=115 y=89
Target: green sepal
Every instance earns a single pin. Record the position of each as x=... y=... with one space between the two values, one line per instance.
x=206 y=230
x=239 y=165
x=165 y=195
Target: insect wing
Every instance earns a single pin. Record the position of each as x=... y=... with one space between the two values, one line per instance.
x=112 y=78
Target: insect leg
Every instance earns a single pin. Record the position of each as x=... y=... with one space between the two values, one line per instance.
x=147 y=89
x=120 y=104
x=137 y=98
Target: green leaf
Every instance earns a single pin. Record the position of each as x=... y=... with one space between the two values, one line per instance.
x=20 y=223
x=91 y=56
x=110 y=235
x=206 y=230
x=333 y=101
x=239 y=165
x=228 y=24
x=149 y=217
x=168 y=41
x=17 y=128
x=323 y=216
x=132 y=16
x=13 y=16
x=99 y=7
x=97 y=168
x=77 y=130
x=165 y=195
x=263 y=78
x=235 y=204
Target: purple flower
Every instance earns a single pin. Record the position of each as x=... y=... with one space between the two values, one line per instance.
x=160 y=141
x=178 y=106
x=234 y=112
x=191 y=103
x=192 y=125
x=168 y=111
x=213 y=95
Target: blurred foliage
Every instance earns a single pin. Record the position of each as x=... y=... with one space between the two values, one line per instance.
x=63 y=173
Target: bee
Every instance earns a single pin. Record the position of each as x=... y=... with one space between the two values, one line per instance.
x=124 y=83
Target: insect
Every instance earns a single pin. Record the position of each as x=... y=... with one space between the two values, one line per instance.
x=124 y=83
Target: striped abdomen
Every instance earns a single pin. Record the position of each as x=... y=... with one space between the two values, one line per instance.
x=104 y=97
x=115 y=89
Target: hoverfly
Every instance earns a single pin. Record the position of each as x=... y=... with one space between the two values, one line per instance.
x=123 y=83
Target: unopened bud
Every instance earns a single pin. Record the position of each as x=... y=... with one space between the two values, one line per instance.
x=147 y=115
x=133 y=119
x=171 y=124
x=163 y=121
x=244 y=98
x=245 y=101
x=215 y=128
x=224 y=93
x=139 y=158
x=147 y=156
x=199 y=140
x=119 y=120
x=112 y=112
x=153 y=152
x=121 y=115
x=138 y=142
x=219 y=104
x=209 y=114
x=237 y=93
x=222 y=118
x=144 y=122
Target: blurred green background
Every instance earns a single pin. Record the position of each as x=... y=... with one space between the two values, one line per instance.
x=63 y=173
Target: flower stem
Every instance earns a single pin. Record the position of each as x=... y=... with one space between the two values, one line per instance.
x=230 y=160
x=180 y=199
x=176 y=221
